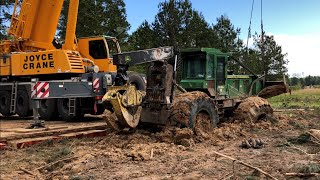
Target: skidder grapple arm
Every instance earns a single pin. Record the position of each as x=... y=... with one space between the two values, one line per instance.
x=126 y=100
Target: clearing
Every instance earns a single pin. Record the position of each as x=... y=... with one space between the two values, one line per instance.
x=153 y=153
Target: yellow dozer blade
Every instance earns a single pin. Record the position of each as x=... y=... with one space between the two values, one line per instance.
x=126 y=102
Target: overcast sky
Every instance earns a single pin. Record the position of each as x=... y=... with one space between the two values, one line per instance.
x=294 y=23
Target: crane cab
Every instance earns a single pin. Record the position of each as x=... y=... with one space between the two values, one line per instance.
x=100 y=50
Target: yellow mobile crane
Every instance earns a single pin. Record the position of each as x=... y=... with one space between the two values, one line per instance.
x=69 y=78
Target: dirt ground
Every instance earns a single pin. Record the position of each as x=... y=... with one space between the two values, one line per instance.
x=168 y=153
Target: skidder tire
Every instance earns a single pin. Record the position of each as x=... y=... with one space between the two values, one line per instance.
x=195 y=110
x=253 y=109
x=137 y=80
x=5 y=103
x=48 y=109
x=23 y=104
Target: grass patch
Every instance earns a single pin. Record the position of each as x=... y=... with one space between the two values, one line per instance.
x=60 y=154
x=297 y=125
x=55 y=156
x=48 y=152
x=308 y=168
x=305 y=98
x=301 y=139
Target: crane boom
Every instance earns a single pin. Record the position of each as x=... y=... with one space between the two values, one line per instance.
x=71 y=26
x=34 y=22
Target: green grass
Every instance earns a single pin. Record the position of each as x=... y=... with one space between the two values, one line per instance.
x=305 y=98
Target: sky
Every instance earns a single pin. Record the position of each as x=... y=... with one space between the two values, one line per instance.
x=294 y=24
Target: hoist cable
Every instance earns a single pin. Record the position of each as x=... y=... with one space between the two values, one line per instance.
x=262 y=32
x=249 y=29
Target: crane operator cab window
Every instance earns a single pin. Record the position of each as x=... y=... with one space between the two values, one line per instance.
x=97 y=49
x=113 y=48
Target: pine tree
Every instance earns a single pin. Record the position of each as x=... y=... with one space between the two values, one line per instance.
x=272 y=60
x=143 y=38
x=225 y=37
x=176 y=24
x=115 y=19
x=98 y=17
x=5 y=17
x=198 y=32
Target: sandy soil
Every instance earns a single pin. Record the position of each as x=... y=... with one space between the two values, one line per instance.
x=169 y=153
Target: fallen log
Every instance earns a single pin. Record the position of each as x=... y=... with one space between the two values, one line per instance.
x=245 y=164
x=54 y=132
x=303 y=174
x=284 y=110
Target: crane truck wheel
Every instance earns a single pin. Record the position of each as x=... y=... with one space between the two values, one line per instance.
x=63 y=109
x=137 y=80
x=195 y=110
x=5 y=103
x=48 y=109
x=23 y=104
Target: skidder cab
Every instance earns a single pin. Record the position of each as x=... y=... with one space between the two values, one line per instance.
x=204 y=69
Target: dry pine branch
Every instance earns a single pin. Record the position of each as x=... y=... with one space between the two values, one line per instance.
x=246 y=164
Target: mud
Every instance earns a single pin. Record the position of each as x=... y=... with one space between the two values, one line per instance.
x=203 y=125
x=271 y=91
x=185 y=108
x=253 y=109
x=171 y=153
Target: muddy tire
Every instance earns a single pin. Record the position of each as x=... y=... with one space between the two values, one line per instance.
x=23 y=104
x=5 y=103
x=195 y=110
x=137 y=80
x=48 y=109
x=253 y=109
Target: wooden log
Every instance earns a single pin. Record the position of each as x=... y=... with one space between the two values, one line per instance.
x=245 y=164
x=53 y=132
x=2 y=146
x=87 y=134
x=284 y=110
x=24 y=130
x=26 y=142
x=23 y=143
x=303 y=174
